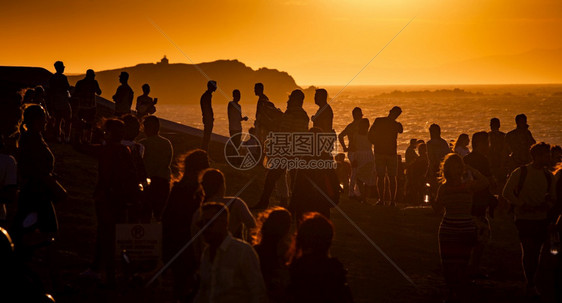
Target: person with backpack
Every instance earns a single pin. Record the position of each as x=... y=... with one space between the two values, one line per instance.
x=529 y=191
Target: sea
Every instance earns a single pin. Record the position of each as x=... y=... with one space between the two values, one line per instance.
x=456 y=108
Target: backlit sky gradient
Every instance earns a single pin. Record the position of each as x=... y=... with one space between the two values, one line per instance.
x=316 y=41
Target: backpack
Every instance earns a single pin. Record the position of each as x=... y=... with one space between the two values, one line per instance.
x=523 y=176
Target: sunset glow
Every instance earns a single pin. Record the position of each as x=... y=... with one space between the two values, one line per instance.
x=317 y=42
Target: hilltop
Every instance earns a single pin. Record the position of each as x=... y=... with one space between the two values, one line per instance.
x=184 y=83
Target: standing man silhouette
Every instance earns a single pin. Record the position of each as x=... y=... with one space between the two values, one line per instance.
x=207 y=112
x=235 y=118
x=263 y=120
x=383 y=135
x=324 y=116
x=60 y=101
x=123 y=96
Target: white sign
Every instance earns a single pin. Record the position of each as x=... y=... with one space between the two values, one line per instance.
x=141 y=241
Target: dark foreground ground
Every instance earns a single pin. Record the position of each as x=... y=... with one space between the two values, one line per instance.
x=407 y=235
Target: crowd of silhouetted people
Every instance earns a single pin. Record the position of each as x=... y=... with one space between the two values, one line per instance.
x=216 y=248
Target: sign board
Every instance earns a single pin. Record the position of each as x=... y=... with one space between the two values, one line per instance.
x=141 y=241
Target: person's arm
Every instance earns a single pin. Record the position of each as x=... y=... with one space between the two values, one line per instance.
x=98 y=89
x=117 y=94
x=251 y=272
x=245 y=215
x=439 y=204
x=400 y=128
x=509 y=189
x=372 y=132
x=341 y=138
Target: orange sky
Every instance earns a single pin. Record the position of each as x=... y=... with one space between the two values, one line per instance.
x=316 y=41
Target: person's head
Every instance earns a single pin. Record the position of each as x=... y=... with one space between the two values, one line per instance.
x=556 y=153
x=296 y=99
x=321 y=97
x=363 y=126
x=114 y=130
x=395 y=112
x=462 y=141
x=29 y=95
x=123 y=77
x=521 y=121
x=480 y=142
x=90 y=74
x=540 y=152
x=194 y=162
x=434 y=131
x=413 y=142
x=357 y=113
x=258 y=89
x=314 y=235
x=59 y=67
x=422 y=149
x=151 y=126
x=273 y=225
x=212 y=181
x=212 y=85
x=214 y=222
x=132 y=127
x=236 y=95
x=452 y=169
x=495 y=124
x=34 y=118
x=146 y=89
x=340 y=157
x=39 y=91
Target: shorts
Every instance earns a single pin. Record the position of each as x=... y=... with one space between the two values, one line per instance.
x=532 y=229
x=386 y=164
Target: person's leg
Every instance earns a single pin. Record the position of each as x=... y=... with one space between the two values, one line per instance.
x=159 y=190
x=67 y=124
x=207 y=131
x=271 y=177
x=380 y=168
x=531 y=238
x=353 y=178
x=392 y=170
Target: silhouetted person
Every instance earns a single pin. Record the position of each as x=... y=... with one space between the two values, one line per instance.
x=315 y=276
x=295 y=119
x=437 y=149
x=519 y=142
x=350 y=132
x=410 y=153
x=38 y=186
x=227 y=259
x=8 y=185
x=40 y=97
x=130 y=133
x=461 y=145
x=123 y=96
x=158 y=153
x=324 y=116
x=383 y=134
x=117 y=189
x=457 y=231
x=266 y=113
x=28 y=96
x=86 y=91
x=364 y=160
x=207 y=112
x=185 y=198
x=417 y=175
x=555 y=157
x=498 y=153
x=10 y=115
x=530 y=192
x=273 y=244
x=241 y=219
x=235 y=118
x=483 y=202
x=145 y=104
x=60 y=102
x=343 y=170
